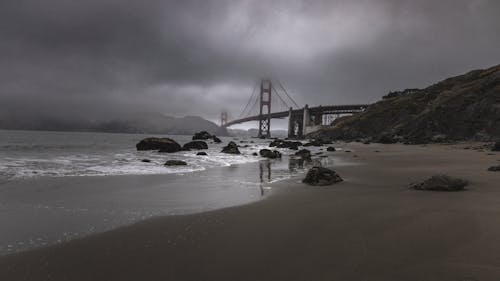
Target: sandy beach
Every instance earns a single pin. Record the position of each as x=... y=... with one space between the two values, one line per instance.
x=369 y=227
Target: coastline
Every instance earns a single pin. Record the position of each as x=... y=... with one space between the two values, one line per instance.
x=369 y=227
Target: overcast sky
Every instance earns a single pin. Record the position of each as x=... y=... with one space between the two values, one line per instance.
x=103 y=58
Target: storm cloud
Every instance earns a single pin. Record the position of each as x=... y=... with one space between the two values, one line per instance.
x=100 y=59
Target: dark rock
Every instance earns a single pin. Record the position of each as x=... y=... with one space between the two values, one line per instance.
x=270 y=154
x=496 y=146
x=440 y=183
x=195 y=145
x=175 y=163
x=255 y=154
x=279 y=143
x=216 y=139
x=494 y=168
x=366 y=142
x=321 y=176
x=330 y=148
x=146 y=160
x=231 y=148
x=304 y=154
x=387 y=139
x=161 y=144
x=201 y=154
x=347 y=151
x=203 y=135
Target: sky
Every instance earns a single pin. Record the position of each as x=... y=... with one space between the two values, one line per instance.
x=100 y=59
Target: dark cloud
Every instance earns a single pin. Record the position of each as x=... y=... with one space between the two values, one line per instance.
x=99 y=59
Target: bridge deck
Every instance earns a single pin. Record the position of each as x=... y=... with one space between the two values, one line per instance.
x=329 y=109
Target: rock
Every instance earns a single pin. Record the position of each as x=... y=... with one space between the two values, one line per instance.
x=321 y=176
x=175 y=163
x=161 y=144
x=216 y=139
x=367 y=142
x=494 y=168
x=201 y=154
x=255 y=154
x=330 y=148
x=440 y=183
x=203 y=135
x=146 y=160
x=279 y=143
x=231 y=148
x=270 y=154
x=304 y=154
x=496 y=146
x=195 y=145
x=387 y=139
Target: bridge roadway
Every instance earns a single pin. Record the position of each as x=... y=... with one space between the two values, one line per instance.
x=329 y=109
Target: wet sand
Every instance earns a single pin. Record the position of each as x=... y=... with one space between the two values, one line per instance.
x=369 y=227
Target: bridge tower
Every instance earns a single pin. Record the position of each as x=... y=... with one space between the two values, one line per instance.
x=265 y=109
x=223 y=118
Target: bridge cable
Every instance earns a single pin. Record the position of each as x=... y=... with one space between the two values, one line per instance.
x=282 y=87
x=249 y=100
x=284 y=103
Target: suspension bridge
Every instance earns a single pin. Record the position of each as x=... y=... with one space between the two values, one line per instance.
x=301 y=120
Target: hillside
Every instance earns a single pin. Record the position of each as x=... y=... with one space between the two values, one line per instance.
x=148 y=123
x=465 y=107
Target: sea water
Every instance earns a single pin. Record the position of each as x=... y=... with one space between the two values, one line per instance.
x=55 y=186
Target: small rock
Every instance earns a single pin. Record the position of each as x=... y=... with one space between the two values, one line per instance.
x=203 y=135
x=195 y=145
x=330 y=148
x=494 y=168
x=321 y=176
x=255 y=154
x=304 y=154
x=175 y=163
x=216 y=139
x=496 y=146
x=270 y=154
x=440 y=183
x=201 y=153
x=146 y=160
x=231 y=148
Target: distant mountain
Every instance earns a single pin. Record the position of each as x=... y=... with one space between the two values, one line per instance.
x=465 y=107
x=149 y=123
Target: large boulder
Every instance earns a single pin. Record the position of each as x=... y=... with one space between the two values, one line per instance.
x=161 y=144
x=270 y=154
x=231 y=148
x=440 y=183
x=175 y=163
x=203 y=135
x=321 y=176
x=304 y=154
x=195 y=145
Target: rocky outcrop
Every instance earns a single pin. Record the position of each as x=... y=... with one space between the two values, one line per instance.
x=321 y=176
x=195 y=145
x=465 y=107
x=267 y=153
x=161 y=144
x=175 y=163
x=440 y=183
x=231 y=148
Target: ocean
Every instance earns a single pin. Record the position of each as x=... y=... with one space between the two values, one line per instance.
x=56 y=186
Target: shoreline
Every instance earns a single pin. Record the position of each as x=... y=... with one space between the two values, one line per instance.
x=369 y=227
